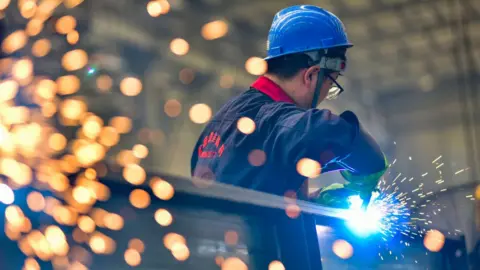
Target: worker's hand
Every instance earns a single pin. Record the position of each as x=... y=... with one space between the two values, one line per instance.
x=334 y=195
x=364 y=185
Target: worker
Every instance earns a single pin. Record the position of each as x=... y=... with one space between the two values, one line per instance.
x=306 y=52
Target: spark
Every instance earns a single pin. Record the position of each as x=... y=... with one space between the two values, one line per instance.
x=435 y=160
x=404 y=217
x=393 y=215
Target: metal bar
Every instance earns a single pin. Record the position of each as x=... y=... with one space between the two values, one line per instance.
x=295 y=239
x=217 y=190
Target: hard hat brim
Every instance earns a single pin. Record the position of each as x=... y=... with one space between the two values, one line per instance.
x=347 y=46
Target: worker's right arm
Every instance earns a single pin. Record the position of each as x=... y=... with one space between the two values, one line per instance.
x=337 y=142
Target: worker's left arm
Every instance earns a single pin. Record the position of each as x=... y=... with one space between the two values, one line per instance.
x=357 y=167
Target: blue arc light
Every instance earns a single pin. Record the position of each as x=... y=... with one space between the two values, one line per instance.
x=363 y=222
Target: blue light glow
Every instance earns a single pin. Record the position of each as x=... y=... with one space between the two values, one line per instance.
x=363 y=222
x=386 y=214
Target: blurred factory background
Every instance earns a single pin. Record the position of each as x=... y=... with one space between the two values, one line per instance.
x=132 y=82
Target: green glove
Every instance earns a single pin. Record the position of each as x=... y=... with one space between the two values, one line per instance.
x=364 y=183
x=335 y=195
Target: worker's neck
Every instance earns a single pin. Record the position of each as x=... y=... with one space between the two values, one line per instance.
x=288 y=86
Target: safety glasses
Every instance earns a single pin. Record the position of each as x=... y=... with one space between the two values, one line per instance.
x=335 y=91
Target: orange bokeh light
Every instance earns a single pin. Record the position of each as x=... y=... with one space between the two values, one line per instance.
x=104 y=83
x=41 y=47
x=434 y=240
x=163 y=217
x=140 y=151
x=136 y=244
x=308 y=167
x=68 y=84
x=234 y=263
x=74 y=60
x=86 y=224
x=214 y=30
x=276 y=265
x=14 y=42
x=36 y=201
x=113 y=221
x=342 y=249
x=122 y=124
x=256 y=66
x=200 y=113
x=172 y=108
x=73 y=37
x=139 y=198
x=130 y=86
x=246 y=125
x=132 y=257
x=134 y=174
x=65 y=24
x=161 y=188
x=179 y=46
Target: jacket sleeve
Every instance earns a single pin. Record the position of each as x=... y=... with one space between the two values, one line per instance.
x=336 y=142
x=365 y=156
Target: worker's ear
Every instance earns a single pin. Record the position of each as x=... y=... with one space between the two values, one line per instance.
x=311 y=75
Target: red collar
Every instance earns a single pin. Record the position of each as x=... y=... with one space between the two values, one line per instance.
x=271 y=89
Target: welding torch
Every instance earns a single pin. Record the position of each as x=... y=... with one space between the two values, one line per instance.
x=366 y=201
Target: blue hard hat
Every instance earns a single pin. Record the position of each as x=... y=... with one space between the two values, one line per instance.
x=304 y=28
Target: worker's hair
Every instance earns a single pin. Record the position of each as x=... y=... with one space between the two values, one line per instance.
x=286 y=67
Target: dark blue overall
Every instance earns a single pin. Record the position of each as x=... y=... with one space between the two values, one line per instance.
x=266 y=159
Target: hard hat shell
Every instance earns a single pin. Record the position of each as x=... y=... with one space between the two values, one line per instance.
x=304 y=28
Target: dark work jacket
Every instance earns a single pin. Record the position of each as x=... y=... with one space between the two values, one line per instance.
x=266 y=159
